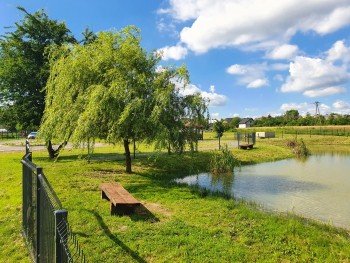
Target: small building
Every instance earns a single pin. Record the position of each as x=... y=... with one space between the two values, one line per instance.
x=245 y=123
x=264 y=135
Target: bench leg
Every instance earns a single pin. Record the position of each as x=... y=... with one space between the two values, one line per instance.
x=104 y=196
x=122 y=209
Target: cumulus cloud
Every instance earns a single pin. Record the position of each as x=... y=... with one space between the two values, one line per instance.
x=283 y=52
x=339 y=52
x=258 y=83
x=236 y=69
x=227 y=23
x=315 y=77
x=175 y=52
x=323 y=92
x=214 y=98
x=254 y=75
x=341 y=105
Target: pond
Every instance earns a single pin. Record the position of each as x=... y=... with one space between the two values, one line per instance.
x=317 y=188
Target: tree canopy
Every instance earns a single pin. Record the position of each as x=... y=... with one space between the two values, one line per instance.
x=24 y=68
x=113 y=89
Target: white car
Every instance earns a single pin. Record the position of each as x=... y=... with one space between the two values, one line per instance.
x=32 y=135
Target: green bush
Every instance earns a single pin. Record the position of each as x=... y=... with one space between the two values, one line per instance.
x=299 y=148
x=223 y=161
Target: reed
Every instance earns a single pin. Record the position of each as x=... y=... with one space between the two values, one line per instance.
x=223 y=161
x=298 y=147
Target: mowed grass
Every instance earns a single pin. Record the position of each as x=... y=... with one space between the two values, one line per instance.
x=176 y=223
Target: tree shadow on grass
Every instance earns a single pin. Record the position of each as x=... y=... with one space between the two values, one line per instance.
x=116 y=240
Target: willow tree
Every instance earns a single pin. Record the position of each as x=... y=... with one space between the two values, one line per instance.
x=109 y=89
x=174 y=111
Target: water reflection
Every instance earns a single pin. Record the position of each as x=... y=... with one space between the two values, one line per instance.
x=317 y=187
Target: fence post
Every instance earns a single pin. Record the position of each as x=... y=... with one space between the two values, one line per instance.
x=28 y=150
x=39 y=170
x=61 y=234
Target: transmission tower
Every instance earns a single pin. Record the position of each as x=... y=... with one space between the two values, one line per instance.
x=317 y=103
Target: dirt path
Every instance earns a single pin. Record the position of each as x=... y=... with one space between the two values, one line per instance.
x=19 y=146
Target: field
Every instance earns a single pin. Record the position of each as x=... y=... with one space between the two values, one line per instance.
x=178 y=223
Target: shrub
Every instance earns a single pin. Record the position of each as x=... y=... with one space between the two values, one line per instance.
x=299 y=148
x=223 y=161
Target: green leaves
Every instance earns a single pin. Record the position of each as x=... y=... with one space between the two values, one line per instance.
x=24 y=68
x=113 y=89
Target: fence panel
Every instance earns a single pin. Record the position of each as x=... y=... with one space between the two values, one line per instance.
x=45 y=225
x=29 y=204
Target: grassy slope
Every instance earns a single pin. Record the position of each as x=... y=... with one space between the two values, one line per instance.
x=178 y=224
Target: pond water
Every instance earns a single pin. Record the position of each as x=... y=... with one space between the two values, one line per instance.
x=318 y=187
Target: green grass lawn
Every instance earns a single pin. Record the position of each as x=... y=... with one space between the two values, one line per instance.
x=177 y=223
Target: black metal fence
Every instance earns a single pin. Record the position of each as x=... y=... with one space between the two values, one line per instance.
x=45 y=225
x=245 y=138
x=323 y=131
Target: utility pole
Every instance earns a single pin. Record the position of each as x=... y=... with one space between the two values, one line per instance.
x=317 y=103
x=317 y=114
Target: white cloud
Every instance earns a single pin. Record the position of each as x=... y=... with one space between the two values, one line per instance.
x=236 y=69
x=228 y=23
x=175 y=52
x=338 y=18
x=258 y=83
x=212 y=88
x=315 y=77
x=214 y=98
x=339 y=52
x=322 y=92
x=341 y=105
x=190 y=89
x=162 y=11
x=252 y=76
x=283 y=52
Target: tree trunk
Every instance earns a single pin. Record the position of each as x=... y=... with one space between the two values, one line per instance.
x=127 y=156
x=169 y=149
x=52 y=152
x=219 y=143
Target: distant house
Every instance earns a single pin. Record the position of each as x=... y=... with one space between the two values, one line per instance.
x=228 y=120
x=245 y=123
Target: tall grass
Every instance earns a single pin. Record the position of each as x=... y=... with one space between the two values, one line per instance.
x=298 y=148
x=223 y=161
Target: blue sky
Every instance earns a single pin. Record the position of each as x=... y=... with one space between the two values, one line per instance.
x=249 y=58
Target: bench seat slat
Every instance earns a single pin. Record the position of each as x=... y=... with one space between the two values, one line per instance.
x=117 y=194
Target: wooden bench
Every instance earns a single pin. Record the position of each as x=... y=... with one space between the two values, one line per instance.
x=246 y=146
x=121 y=201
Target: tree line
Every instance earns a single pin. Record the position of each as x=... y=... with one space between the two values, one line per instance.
x=293 y=118
x=105 y=86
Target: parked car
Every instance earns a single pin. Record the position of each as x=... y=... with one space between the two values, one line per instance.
x=32 y=135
